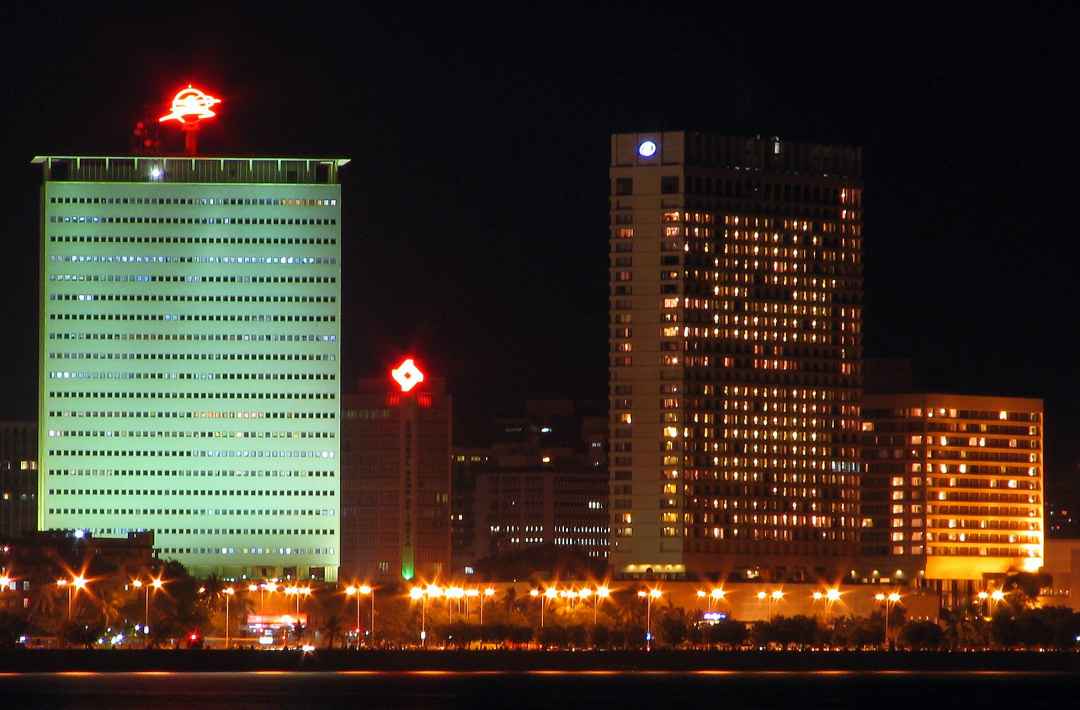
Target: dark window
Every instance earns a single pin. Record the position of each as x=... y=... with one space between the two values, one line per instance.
x=624 y=186
x=669 y=184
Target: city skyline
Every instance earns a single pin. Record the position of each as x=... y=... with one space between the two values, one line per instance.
x=951 y=219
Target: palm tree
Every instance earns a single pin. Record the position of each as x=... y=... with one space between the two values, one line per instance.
x=332 y=627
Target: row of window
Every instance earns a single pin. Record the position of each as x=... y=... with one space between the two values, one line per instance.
x=259 y=376
x=299 y=241
x=274 y=357
x=193 y=279
x=193 y=473
x=199 y=337
x=189 y=493
x=172 y=298
x=189 y=317
x=166 y=434
x=261 y=221
x=140 y=259
x=218 y=414
x=203 y=201
x=120 y=394
x=327 y=512
x=268 y=551
x=197 y=453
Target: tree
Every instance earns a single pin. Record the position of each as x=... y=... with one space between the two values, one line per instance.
x=673 y=626
x=12 y=627
x=332 y=627
x=921 y=635
x=77 y=633
x=727 y=633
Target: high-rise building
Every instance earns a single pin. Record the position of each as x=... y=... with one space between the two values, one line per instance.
x=395 y=500
x=735 y=331
x=18 y=479
x=952 y=491
x=190 y=357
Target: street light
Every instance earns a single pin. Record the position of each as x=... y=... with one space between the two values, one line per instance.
x=365 y=589
x=422 y=594
x=889 y=599
x=228 y=592
x=471 y=593
x=488 y=592
x=653 y=593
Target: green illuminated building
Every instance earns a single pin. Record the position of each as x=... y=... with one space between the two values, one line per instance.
x=190 y=357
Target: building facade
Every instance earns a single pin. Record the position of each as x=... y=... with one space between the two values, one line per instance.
x=735 y=334
x=395 y=502
x=18 y=479
x=952 y=491
x=541 y=482
x=190 y=357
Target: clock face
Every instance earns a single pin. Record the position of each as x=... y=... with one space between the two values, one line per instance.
x=646 y=149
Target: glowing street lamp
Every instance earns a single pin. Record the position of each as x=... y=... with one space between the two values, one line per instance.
x=363 y=590
x=648 y=596
x=228 y=592
x=470 y=594
x=75 y=585
x=416 y=593
x=890 y=599
x=488 y=592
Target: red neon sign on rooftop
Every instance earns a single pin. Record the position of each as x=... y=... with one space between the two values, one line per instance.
x=190 y=106
x=407 y=375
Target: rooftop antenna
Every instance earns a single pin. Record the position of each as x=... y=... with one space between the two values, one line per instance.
x=190 y=106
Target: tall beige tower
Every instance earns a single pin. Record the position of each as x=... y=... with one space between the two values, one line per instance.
x=735 y=333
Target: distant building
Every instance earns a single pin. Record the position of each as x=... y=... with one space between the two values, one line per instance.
x=18 y=479
x=952 y=492
x=543 y=481
x=1063 y=567
x=736 y=340
x=189 y=344
x=395 y=503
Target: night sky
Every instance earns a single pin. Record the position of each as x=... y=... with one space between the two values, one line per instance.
x=475 y=225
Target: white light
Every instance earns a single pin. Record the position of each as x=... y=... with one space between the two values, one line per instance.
x=79 y=534
x=155 y=173
x=646 y=149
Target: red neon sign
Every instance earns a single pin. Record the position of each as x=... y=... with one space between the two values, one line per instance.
x=190 y=106
x=407 y=374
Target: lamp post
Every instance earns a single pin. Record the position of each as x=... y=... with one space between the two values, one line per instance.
x=715 y=597
x=889 y=599
x=653 y=593
x=474 y=593
x=831 y=597
x=602 y=592
x=418 y=593
x=488 y=592
x=74 y=585
x=228 y=592
x=366 y=589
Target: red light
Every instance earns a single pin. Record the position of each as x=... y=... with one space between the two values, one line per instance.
x=407 y=374
x=190 y=106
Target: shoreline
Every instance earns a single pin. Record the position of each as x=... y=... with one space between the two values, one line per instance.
x=216 y=661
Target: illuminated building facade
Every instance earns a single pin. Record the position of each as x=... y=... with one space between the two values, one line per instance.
x=190 y=357
x=395 y=502
x=735 y=334
x=542 y=481
x=18 y=479
x=952 y=491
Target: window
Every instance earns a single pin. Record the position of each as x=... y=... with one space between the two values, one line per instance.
x=669 y=184
x=624 y=186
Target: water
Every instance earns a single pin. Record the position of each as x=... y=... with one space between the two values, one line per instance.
x=561 y=690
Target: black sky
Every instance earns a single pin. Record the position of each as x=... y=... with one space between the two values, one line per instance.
x=475 y=206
